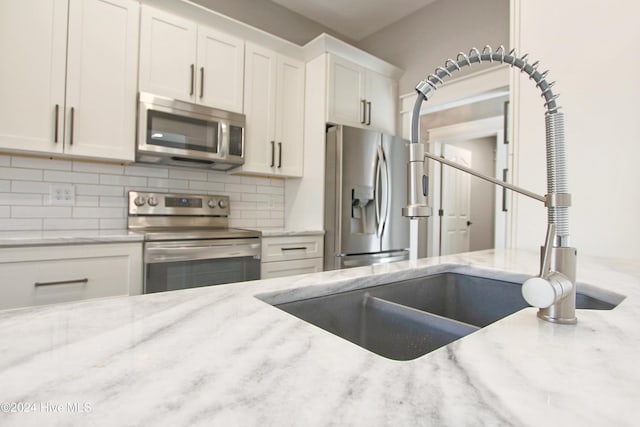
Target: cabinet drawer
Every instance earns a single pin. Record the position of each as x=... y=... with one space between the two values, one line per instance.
x=62 y=274
x=291 y=247
x=290 y=268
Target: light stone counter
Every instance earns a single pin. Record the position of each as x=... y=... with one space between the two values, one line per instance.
x=220 y=356
x=283 y=232
x=66 y=237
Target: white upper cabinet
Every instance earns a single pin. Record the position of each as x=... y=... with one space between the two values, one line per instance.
x=220 y=70
x=182 y=60
x=74 y=96
x=167 y=54
x=274 y=106
x=360 y=97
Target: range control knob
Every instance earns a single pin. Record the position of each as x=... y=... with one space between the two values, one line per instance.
x=212 y=203
x=152 y=201
x=222 y=204
x=139 y=201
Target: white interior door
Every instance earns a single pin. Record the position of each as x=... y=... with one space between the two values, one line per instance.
x=455 y=203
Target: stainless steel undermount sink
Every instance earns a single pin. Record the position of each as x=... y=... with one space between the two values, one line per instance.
x=407 y=319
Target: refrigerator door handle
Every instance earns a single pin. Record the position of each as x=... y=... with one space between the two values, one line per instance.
x=382 y=191
x=376 y=190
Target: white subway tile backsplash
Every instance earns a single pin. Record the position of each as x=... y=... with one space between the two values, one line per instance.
x=98 y=168
x=255 y=197
x=206 y=187
x=30 y=187
x=114 y=202
x=240 y=188
x=101 y=193
x=87 y=201
x=21 y=174
x=40 y=163
x=269 y=223
x=70 y=224
x=148 y=171
x=99 y=190
x=188 y=174
x=165 y=184
x=40 y=211
x=270 y=189
x=113 y=224
x=80 y=212
x=74 y=177
x=24 y=199
x=123 y=180
x=12 y=224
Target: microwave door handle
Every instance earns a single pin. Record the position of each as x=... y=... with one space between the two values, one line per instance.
x=223 y=138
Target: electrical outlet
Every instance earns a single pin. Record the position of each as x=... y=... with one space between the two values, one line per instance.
x=62 y=194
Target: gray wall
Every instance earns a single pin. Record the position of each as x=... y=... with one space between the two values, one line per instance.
x=272 y=18
x=424 y=40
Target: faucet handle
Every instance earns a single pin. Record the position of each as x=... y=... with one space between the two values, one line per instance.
x=543 y=292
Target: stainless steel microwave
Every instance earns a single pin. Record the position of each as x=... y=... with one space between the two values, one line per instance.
x=180 y=133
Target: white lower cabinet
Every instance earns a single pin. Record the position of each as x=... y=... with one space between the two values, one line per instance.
x=53 y=274
x=289 y=255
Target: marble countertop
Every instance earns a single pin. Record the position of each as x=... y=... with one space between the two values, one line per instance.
x=284 y=232
x=65 y=237
x=221 y=356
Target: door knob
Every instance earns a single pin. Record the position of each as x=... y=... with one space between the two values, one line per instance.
x=469 y=223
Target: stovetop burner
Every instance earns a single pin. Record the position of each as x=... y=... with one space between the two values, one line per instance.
x=170 y=216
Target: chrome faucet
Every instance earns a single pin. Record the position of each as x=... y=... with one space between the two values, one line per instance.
x=553 y=291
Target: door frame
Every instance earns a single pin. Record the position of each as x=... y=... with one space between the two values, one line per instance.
x=490 y=127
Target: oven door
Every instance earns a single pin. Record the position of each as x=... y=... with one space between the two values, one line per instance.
x=186 y=264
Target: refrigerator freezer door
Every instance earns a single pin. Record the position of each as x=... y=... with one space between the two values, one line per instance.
x=395 y=234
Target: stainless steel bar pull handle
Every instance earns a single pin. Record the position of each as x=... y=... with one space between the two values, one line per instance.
x=201 y=82
x=55 y=124
x=273 y=153
x=62 y=282
x=193 y=78
x=279 y=154
x=301 y=248
x=363 y=102
x=71 y=125
x=369 y=115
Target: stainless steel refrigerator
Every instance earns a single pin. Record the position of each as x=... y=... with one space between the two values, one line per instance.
x=365 y=190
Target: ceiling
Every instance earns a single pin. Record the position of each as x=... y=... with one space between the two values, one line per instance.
x=355 y=19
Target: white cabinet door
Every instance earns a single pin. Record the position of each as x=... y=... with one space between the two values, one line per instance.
x=259 y=106
x=289 y=255
x=182 y=60
x=290 y=117
x=32 y=74
x=167 y=55
x=94 y=116
x=357 y=96
x=54 y=274
x=101 y=78
x=271 y=270
x=274 y=106
x=220 y=74
x=381 y=102
x=346 y=92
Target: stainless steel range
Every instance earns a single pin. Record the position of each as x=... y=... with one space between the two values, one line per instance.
x=188 y=242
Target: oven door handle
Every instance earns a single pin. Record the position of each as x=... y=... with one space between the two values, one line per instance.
x=154 y=255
